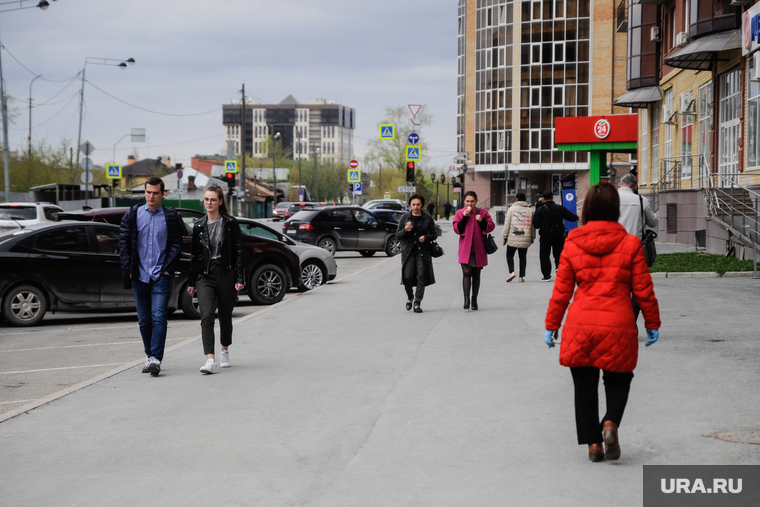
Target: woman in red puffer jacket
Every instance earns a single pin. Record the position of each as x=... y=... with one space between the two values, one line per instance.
x=607 y=265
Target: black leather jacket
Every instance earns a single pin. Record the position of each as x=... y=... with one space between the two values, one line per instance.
x=231 y=252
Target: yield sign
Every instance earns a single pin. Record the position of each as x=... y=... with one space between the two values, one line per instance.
x=415 y=108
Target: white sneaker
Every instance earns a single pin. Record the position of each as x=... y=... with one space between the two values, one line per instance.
x=224 y=362
x=209 y=367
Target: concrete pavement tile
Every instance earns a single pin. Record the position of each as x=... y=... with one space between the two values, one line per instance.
x=694 y=274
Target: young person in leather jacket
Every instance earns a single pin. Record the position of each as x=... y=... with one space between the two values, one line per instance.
x=216 y=273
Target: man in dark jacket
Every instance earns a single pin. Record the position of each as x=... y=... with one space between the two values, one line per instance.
x=150 y=239
x=447 y=209
x=549 y=221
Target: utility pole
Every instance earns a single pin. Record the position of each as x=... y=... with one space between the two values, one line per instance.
x=241 y=186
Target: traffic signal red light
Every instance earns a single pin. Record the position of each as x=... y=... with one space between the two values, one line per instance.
x=410 y=172
x=231 y=180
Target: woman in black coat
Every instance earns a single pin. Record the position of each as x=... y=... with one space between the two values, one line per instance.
x=416 y=229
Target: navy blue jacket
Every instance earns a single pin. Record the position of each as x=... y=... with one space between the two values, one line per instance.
x=130 y=260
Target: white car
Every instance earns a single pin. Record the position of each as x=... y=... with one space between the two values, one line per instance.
x=20 y=214
x=318 y=266
x=394 y=204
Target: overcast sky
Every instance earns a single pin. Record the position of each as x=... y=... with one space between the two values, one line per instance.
x=193 y=56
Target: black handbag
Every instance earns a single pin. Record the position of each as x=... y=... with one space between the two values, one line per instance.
x=435 y=249
x=490 y=244
x=647 y=238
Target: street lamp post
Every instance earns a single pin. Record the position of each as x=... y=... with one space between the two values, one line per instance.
x=315 y=150
x=275 y=136
x=43 y=4
x=95 y=61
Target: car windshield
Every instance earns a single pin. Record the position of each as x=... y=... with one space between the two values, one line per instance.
x=8 y=212
x=305 y=215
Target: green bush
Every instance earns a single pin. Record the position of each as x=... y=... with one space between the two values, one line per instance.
x=698 y=261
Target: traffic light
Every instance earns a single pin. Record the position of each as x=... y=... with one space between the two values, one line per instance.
x=231 y=180
x=410 y=172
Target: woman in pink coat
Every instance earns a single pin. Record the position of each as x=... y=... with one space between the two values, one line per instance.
x=472 y=224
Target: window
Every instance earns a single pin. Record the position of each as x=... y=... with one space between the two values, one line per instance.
x=655 y=142
x=668 y=135
x=108 y=240
x=252 y=229
x=17 y=212
x=49 y=210
x=364 y=218
x=71 y=239
x=673 y=28
x=753 y=94
x=686 y=136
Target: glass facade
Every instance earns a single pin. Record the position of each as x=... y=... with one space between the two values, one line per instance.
x=554 y=75
x=493 y=82
x=461 y=70
x=642 y=69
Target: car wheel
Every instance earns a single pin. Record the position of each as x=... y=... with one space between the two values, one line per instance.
x=312 y=276
x=189 y=304
x=367 y=253
x=24 y=305
x=393 y=247
x=268 y=285
x=328 y=244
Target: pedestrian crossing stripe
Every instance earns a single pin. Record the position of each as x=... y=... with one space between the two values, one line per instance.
x=354 y=176
x=413 y=153
x=387 y=131
x=230 y=166
x=113 y=171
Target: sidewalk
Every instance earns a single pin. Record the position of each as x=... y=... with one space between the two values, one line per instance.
x=342 y=398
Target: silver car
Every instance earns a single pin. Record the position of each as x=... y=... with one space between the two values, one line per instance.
x=318 y=266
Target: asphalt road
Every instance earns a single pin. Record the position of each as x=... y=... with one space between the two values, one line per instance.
x=70 y=347
x=342 y=398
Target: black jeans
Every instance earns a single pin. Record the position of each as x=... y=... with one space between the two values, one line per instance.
x=616 y=388
x=548 y=245
x=216 y=291
x=413 y=273
x=522 y=253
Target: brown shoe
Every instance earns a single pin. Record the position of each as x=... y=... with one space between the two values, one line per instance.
x=595 y=452
x=521 y=280
x=512 y=276
x=611 y=443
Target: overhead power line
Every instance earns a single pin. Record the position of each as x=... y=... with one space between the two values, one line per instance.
x=149 y=110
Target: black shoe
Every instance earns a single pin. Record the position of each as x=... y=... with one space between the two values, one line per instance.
x=467 y=302
x=154 y=368
x=417 y=309
x=408 y=305
x=474 y=303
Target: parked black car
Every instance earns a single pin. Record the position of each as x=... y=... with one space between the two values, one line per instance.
x=271 y=268
x=66 y=266
x=341 y=228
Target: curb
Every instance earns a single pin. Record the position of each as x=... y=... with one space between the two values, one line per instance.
x=703 y=274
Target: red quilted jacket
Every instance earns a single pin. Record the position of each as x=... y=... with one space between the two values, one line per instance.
x=607 y=264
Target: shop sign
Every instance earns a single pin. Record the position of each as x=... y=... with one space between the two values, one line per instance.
x=751 y=30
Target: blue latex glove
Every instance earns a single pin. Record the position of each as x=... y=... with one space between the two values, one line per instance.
x=548 y=338
x=652 y=334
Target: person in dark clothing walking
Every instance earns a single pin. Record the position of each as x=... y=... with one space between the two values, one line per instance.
x=431 y=210
x=416 y=229
x=150 y=239
x=216 y=272
x=447 y=209
x=549 y=221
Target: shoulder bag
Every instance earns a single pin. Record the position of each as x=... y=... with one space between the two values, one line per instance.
x=647 y=238
x=435 y=249
x=489 y=243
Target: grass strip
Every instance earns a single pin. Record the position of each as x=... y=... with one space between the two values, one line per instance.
x=698 y=261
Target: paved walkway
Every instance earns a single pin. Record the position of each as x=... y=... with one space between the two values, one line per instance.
x=342 y=398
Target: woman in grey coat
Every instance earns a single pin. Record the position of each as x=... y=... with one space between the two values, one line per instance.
x=416 y=230
x=518 y=234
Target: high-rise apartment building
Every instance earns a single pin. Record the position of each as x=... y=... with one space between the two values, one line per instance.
x=319 y=127
x=521 y=64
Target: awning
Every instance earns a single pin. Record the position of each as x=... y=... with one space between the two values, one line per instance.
x=700 y=54
x=640 y=97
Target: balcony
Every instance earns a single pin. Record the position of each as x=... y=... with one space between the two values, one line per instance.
x=622 y=16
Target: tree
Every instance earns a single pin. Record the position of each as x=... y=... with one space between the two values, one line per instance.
x=386 y=158
x=42 y=166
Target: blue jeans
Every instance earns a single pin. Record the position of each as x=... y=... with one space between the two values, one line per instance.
x=151 y=300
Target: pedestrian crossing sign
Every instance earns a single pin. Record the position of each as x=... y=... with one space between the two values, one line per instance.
x=230 y=166
x=413 y=153
x=354 y=176
x=113 y=171
x=388 y=131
